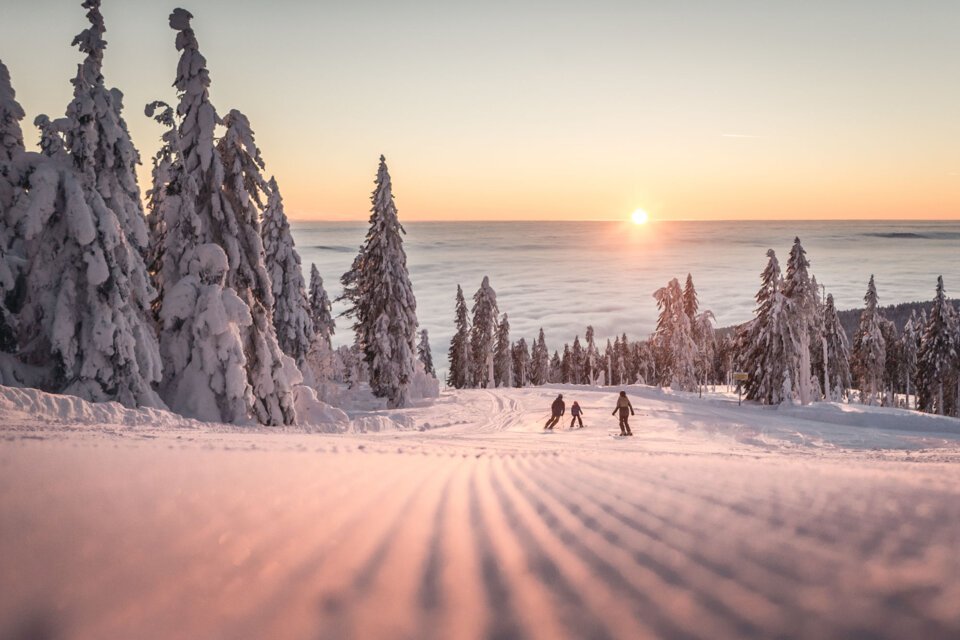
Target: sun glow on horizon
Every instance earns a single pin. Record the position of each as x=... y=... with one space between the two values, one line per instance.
x=639 y=216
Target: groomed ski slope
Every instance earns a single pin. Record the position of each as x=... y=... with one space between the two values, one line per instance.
x=466 y=521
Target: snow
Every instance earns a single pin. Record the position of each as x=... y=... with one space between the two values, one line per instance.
x=460 y=518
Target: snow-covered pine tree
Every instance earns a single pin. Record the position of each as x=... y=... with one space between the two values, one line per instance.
x=212 y=383
x=502 y=357
x=424 y=354
x=801 y=319
x=837 y=378
x=219 y=193
x=566 y=365
x=909 y=347
x=458 y=356
x=540 y=361
x=292 y=316
x=690 y=303
x=381 y=299
x=674 y=339
x=609 y=356
x=88 y=294
x=869 y=348
x=761 y=341
x=521 y=363
x=625 y=374
x=592 y=363
x=937 y=358
x=482 y=333
x=320 y=308
x=706 y=342
x=892 y=361
x=577 y=362
x=11 y=151
x=555 y=373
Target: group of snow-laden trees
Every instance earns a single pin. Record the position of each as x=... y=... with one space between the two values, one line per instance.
x=380 y=296
x=198 y=304
x=481 y=354
x=684 y=343
x=796 y=349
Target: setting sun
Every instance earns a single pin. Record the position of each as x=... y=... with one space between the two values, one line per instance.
x=639 y=217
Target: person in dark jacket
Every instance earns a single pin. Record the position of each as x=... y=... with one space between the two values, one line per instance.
x=557 y=409
x=626 y=410
x=576 y=412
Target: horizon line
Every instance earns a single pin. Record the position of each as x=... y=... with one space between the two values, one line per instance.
x=627 y=221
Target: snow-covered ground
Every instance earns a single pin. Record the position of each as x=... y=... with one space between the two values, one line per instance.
x=464 y=520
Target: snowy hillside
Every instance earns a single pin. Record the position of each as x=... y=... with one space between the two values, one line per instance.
x=464 y=520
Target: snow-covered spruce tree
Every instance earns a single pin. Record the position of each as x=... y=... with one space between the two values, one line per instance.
x=592 y=363
x=690 y=303
x=87 y=308
x=502 y=358
x=891 y=363
x=540 y=361
x=555 y=372
x=909 y=347
x=482 y=333
x=837 y=378
x=706 y=342
x=458 y=356
x=577 y=362
x=11 y=152
x=291 y=309
x=609 y=356
x=381 y=300
x=869 y=349
x=674 y=339
x=212 y=385
x=521 y=363
x=761 y=341
x=219 y=202
x=937 y=358
x=801 y=320
x=320 y=308
x=566 y=365
x=424 y=354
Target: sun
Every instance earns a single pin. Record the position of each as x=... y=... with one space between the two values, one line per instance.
x=639 y=217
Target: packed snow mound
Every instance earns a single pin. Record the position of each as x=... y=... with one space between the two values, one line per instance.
x=34 y=407
x=313 y=412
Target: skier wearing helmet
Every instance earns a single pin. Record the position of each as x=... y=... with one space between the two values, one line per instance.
x=557 y=409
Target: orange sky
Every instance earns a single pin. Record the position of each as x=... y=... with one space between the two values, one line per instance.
x=529 y=110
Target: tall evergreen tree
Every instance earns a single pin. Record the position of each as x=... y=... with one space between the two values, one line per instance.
x=936 y=360
x=458 y=356
x=577 y=362
x=320 y=308
x=502 y=357
x=801 y=320
x=521 y=363
x=424 y=354
x=609 y=357
x=869 y=348
x=482 y=333
x=837 y=377
x=555 y=373
x=691 y=305
x=592 y=360
x=674 y=339
x=291 y=308
x=909 y=348
x=761 y=341
x=540 y=361
x=11 y=152
x=215 y=196
x=381 y=299
x=88 y=299
x=566 y=365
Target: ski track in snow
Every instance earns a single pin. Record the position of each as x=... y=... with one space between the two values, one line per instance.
x=714 y=521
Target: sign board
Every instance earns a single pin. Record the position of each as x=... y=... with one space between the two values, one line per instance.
x=740 y=376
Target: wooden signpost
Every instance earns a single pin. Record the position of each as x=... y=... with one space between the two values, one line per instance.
x=740 y=377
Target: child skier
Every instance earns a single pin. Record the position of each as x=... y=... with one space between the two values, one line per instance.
x=624 y=406
x=576 y=412
x=557 y=409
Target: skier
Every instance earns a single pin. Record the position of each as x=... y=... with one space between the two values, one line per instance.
x=623 y=406
x=576 y=412
x=557 y=409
